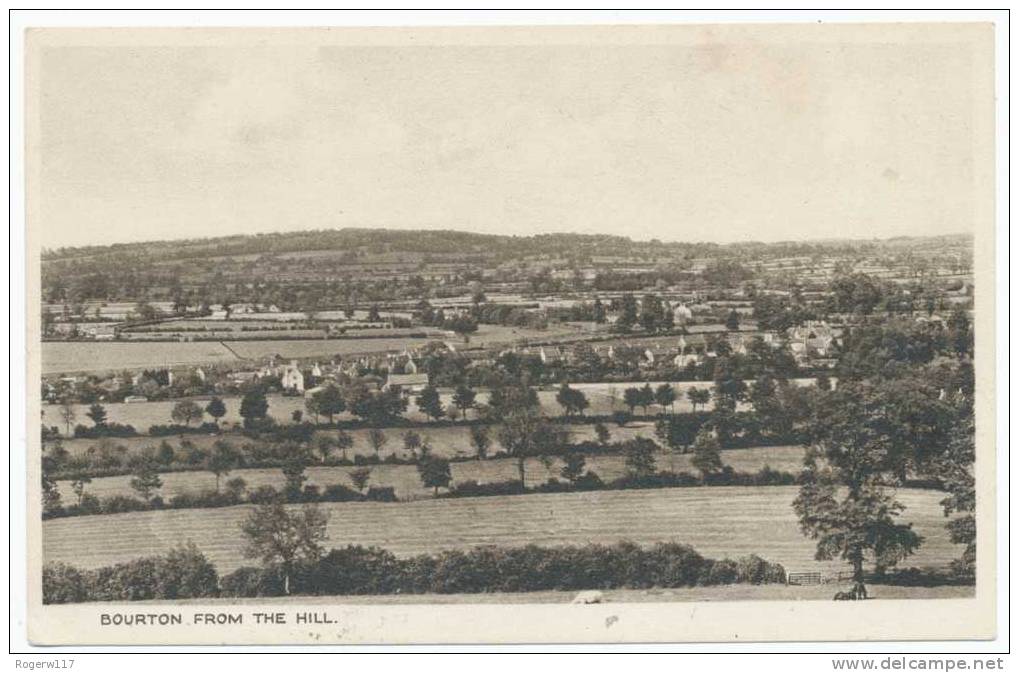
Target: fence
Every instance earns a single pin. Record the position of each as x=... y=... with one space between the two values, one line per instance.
x=803 y=579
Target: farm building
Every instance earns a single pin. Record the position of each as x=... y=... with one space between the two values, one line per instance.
x=409 y=382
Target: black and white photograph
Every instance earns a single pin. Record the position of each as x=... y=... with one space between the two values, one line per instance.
x=336 y=332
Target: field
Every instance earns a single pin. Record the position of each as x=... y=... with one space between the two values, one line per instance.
x=404 y=478
x=724 y=592
x=604 y=398
x=90 y=356
x=95 y=356
x=717 y=521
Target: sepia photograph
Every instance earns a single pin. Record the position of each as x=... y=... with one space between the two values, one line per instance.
x=511 y=334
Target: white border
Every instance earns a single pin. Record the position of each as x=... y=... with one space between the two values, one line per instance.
x=16 y=271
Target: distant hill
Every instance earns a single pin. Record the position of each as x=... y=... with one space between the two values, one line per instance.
x=449 y=242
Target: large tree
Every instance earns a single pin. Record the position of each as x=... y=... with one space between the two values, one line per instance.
x=223 y=458
x=678 y=431
x=698 y=396
x=434 y=473
x=186 y=411
x=572 y=401
x=665 y=396
x=328 y=402
x=526 y=434
x=254 y=405
x=480 y=440
x=463 y=399
x=216 y=408
x=67 y=414
x=843 y=504
x=707 y=456
x=97 y=413
x=281 y=537
x=429 y=403
x=145 y=477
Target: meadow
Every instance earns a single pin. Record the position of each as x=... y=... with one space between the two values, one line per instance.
x=102 y=356
x=719 y=592
x=105 y=356
x=604 y=398
x=404 y=478
x=717 y=521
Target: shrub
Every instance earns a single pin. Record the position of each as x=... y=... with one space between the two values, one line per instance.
x=677 y=565
x=356 y=570
x=116 y=504
x=131 y=581
x=755 y=570
x=207 y=498
x=471 y=489
x=263 y=494
x=725 y=571
x=381 y=494
x=185 y=573
x=176 y=429
x=107 y=430
x=247 y=582
x=62 y=583
x=340 y=493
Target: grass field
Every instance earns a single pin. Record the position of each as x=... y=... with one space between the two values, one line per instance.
x=446 y=441
x=725 y=592
x=604 y=398
x=404 y=478
x=717 y=521
x=91 y=356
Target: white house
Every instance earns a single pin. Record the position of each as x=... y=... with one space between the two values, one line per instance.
x=681 y=314
x=292 y=378
x=413 y=383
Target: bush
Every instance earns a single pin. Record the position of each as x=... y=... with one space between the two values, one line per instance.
x=340 y=493
x=472 y=489
x=62 y=583
x=117 y=504
x=755 y=570
x=186 y=573
x=175 y=429
x=107 y=430
x=131 y=581
x=250 y=582
x=207 y=498
x=356 y=570
x=381 y=494
x=725 y=571
x=263 y=494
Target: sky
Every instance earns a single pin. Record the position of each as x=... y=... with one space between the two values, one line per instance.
x=708 y=137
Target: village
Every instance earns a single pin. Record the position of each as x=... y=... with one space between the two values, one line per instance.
x=300 y=371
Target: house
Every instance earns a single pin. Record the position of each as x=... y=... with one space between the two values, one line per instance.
x=292 y=378
x=812 y=339
x=104 y=332
x=413 y=383
x=684 y=359
x=243 y=377
x=682 y=315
